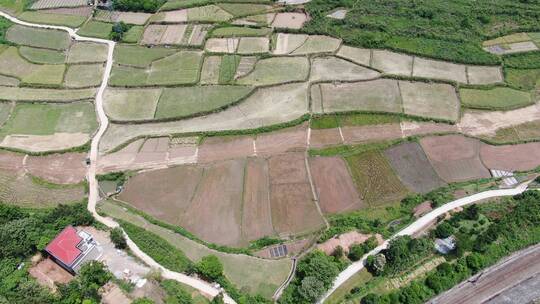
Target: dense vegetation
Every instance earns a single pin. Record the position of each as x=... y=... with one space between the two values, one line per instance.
x=451 y=30
x=4 y=25
x=24 y=232
x=315 y=274
x=511 y=230
x=149 y=6
x=529 y=60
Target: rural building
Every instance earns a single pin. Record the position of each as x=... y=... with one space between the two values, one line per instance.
x=72 y=248
x=444 y=246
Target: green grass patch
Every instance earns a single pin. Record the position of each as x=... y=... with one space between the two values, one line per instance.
x=4 y=25
x=227 y=69
x=157 y=248
x=47 y=119
x=87 y=52
x=276 y=70
x=358 y=279
x=134 y=34
x=84 y=75
x=241 y=31
x=528 y=79
x=244 y=9
x=364 y=119
x=35 y=94
x=374 y=178
x=324 y=122
x=15 y=6
x=51 y=39
x=42 y=56
x=528 y=60
x=138 y=55
x=189 y=101
x=73 y=21
x=499 y=98
x=208 y=13
x=96 y=29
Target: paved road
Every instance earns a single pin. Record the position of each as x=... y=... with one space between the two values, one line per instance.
x=418 y=225
x=93 y=195
x=485 y=286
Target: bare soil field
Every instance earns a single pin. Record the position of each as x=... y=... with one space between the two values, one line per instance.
x=522 y=157
x=41 y=4
x=287 y=43
x=48 y=273
x=246 y=65
x=171 y=16
x=84 y=11
x=289 y=20
x=433 y=100
x=392 y=63
x=371 y=133
x=455 y=157
x=357 y=55
x=377 y=95
x=153 y=150
x=42 y=143
x=374 y=178
x=334 y=185
x=153 y=33
x=439 y=70
x=164 y=194
x=252 y=45
x=345 y=241
x=332 y=68
x=320 y=138
x=218 y=200
x=10 y=161
x=411 y=128
x=173 y=34
x=293 y=208
x=318 y=44
x=413 y=168
x=287 y=140
x=484 y=75
x=210 y=70
x=65 y=168
x=221 y=45
x=222 y=148
x=256 y=213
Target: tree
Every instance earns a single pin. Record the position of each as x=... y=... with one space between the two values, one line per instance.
x=118 y=239
x=311 y=289
x=370 y=298
x=475 y=261
x=218 y=299
x=356 y=252
x=210 y=267
x=19 y=237
x=144 y=300
x=118 y=31
x=319 y=265
x=472 y=212
x=338 y=252
x=444 y=230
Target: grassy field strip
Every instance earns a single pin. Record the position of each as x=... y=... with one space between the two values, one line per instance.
x=499 y=98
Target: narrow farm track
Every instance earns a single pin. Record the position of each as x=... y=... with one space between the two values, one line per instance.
x=93 y=195
x=419 y=225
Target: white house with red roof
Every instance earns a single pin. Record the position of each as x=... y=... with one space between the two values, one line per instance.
x=71 y=248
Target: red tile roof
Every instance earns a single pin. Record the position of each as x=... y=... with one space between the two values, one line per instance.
x=64 y=246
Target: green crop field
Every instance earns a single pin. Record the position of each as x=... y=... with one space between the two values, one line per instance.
x=139 y=56
x=186 y=101
x=496 y=99
x=241 y=31
x=96 y=29
x=244 y=9
x=529 y=60
x=87 y=52
x=277 y=70
x=47 y=119
x=51 y=39
x=227 y=69
x=42 y=56
x=84 y=75
x=53 y=19
x=134 y=34
x=374 y=178
x=528 y=79
x=209 y=13
x=43 y=74
x=180 y=68
x=31 y=94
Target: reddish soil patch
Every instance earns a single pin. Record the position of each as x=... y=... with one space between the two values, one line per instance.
x=422 y=209
x=293 y=209
x=413 y=168
x=222 y=148
x=65 y=168
x=11 y=161
x=256 y=215
x=215 y=213
x=288 y=168
x=181 y=151
x=455 y=157
x=48 y=273
x=411 y=128
x=346 y=240
x=293 y=139
x=522 y=157
x=371 y=133
x=324 y=137
x=164 y=194
x=77 y=11
x=334 y=185
x=153 y=149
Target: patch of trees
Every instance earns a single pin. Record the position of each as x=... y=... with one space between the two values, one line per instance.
x=528 y=60
x=118 y=239
x=23 y=232
x=148 y=6
x=118 y=31
x=357 y=251
x=514 y=231
x=403 y=252
x=4 y=25
x=314 y=275
x=433 y=28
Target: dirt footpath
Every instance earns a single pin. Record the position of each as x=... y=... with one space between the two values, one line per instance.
x=481 y=288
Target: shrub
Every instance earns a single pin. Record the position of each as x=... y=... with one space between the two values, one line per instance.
x=118 y=239
x=444 y=230
x=210 y=267
x=149 y=6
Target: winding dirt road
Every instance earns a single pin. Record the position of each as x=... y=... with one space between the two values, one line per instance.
x=93 y=195
x=419 y=225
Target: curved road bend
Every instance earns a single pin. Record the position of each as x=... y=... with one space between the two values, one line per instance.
x=93 y=196
x=418 y=225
